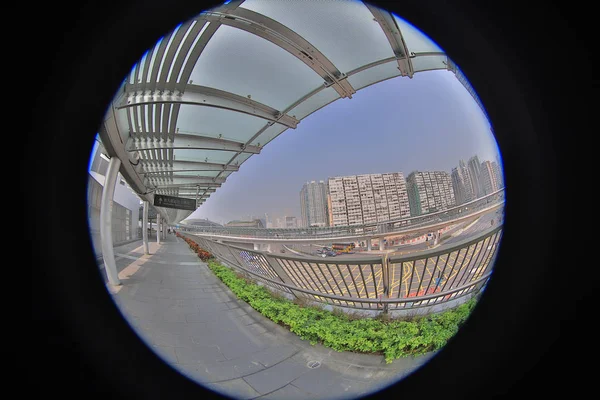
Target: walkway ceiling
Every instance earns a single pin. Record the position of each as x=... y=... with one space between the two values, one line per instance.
x=221 y=86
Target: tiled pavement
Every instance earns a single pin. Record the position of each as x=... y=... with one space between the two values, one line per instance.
x=192 y=320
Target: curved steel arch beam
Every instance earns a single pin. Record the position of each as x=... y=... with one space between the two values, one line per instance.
x=285 y=38
x=394 y=36
x=210 y=97
x=180 y=184
x=148 y=168
x=185 y=141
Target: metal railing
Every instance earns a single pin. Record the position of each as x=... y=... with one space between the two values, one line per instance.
x=424 y=279
x=388 y=227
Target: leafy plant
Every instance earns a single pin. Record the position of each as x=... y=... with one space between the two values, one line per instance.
x=393 y=338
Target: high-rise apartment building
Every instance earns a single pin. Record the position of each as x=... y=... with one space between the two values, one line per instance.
x=398 y=206
x=291 y=222
x=359 y=199
x=498 y=172
x=313 y=204
x=268 y=222
x=469 y=193
x=489 y=178
x=429 y=191
x=459 y=186
x=337 y=196
x=474 y=172
x=462 y=184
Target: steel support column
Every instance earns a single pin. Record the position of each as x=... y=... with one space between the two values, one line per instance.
x=106 y=206
x=145 y=228
x=158 y=224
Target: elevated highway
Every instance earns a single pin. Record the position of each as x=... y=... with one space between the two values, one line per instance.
x=408 y=226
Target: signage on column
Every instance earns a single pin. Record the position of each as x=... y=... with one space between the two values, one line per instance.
x=174 y=202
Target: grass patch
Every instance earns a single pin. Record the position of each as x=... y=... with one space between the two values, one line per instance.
x=393 y=338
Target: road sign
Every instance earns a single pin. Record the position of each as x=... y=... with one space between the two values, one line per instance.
x=174 y=202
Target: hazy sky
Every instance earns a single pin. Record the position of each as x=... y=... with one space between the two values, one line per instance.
x=426 y=123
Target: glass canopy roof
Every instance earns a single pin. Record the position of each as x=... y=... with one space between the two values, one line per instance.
x=216 y=90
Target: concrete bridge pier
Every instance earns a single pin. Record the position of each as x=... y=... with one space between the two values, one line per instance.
x=262 y=247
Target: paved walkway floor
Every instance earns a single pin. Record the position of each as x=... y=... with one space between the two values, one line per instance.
x=194 y=322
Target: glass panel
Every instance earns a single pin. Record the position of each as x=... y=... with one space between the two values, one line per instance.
x=191 y=49
x=313 y=103
x=164 y=56
x=424 y=63
x=142 y=64
x=359 y=39
x=268 y=134
x=169 y=77
x=245 y=64
x=132 y=74
x=374 y=74
x=216 y=156
x=153 y=59
x=212 y=122
x=415 y=40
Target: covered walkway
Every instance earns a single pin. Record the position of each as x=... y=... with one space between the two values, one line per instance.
x=194 y=322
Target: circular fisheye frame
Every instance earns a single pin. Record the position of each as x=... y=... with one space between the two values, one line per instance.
x=276 y=180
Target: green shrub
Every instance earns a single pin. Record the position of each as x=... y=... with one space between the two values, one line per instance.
x=393 y=338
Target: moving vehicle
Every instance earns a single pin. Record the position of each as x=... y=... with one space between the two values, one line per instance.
x=328 y=254
x=343 y=247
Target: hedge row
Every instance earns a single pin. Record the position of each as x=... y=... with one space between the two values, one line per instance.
x=339 y=331
x=392 y=338
x=203 y=254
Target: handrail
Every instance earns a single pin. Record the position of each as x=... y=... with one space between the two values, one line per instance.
x=310 y=276
x=369 y=300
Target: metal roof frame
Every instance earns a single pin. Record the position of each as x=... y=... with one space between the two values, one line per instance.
x=140 y=127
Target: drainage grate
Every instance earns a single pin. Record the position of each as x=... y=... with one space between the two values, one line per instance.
x=313 y=364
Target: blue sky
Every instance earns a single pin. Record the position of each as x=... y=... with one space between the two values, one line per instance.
x=426 y=123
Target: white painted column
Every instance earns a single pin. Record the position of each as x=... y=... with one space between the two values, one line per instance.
x=145 y=228
x=381 y=244
x=106 y=205
x=158 y=228
x=369 y=245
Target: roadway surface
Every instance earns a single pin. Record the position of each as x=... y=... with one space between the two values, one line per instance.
x=459 y=233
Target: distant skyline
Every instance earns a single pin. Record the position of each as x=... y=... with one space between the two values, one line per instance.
x=426 y=123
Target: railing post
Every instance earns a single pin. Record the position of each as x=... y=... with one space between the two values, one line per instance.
x=385 y=270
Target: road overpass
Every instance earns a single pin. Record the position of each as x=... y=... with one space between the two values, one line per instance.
x=261 y=238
